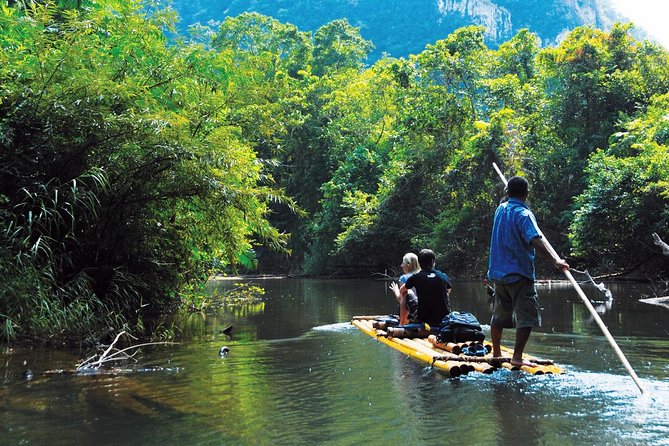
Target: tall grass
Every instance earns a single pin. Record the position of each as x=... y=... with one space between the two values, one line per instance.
x=41 y=297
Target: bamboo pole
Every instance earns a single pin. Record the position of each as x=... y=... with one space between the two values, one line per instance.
x=364 y=318
x=401 y=332
x=449 y=347
x=589 y=306
x=544 y=366
x=453 y=368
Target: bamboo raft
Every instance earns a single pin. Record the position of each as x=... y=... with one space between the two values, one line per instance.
x=449 y=358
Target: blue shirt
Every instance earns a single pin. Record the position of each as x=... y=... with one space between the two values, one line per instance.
x=403 y=280
x=511 y=254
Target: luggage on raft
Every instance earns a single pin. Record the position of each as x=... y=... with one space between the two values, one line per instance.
x=457 y=326
x=460 y=326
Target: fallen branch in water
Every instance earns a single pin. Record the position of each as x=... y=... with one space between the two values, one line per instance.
x=658 y=241
x=661 y=301
x=112 y=353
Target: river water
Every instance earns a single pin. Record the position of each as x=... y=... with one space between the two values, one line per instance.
x=299 y=373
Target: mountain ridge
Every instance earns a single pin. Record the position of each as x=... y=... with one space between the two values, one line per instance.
x=400 y=28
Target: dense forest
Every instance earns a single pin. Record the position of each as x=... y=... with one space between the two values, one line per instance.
x=133 y=165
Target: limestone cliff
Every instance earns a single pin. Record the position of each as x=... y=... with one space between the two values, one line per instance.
x=495 y=18
x=403 y=27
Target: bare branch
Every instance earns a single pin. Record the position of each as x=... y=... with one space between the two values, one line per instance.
x=658 y=241
x=114 y=354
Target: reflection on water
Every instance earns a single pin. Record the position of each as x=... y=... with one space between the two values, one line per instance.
x=299 y=373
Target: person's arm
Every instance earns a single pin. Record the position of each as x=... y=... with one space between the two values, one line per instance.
x=400 y=295
x=540 y=244
x=399 y=291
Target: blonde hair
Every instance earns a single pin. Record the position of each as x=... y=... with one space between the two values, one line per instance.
x=411 y=260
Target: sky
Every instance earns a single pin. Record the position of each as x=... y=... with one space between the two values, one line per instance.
x=651 y=15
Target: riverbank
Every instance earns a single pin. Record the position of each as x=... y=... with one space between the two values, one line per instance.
x=552 y=280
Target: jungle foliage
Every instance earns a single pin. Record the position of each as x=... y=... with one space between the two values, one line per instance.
x=132 y=166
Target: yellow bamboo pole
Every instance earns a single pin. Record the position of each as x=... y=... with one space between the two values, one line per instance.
x=449 y=347
x=486 y=364
x=364 y=318
x=452 y=368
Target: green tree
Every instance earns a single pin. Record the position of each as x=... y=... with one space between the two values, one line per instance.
x=254 y=35
x=627 y=195
x=356 y=112
x=592 y=79
x=121 y=176
x=457 y=63
x=338 y=45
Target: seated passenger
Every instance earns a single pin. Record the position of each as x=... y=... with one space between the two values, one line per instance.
x=432 y=287
x=408 y=303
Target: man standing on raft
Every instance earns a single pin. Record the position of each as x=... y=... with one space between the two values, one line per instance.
x=515 y=237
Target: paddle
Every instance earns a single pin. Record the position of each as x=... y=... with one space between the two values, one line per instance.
x=589 y=306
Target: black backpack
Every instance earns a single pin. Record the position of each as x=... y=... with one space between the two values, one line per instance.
x=460 y=327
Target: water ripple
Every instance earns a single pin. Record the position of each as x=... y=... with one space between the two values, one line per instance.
x=339 y=327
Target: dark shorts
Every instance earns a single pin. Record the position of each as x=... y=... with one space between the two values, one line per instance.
x=516 y=305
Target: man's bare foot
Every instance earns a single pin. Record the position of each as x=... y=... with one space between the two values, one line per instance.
x=497 y=361
x=522 y=362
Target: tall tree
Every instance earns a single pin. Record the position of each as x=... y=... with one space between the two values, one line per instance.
x=121 y=177
x=627 y=196
x=338 y=45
